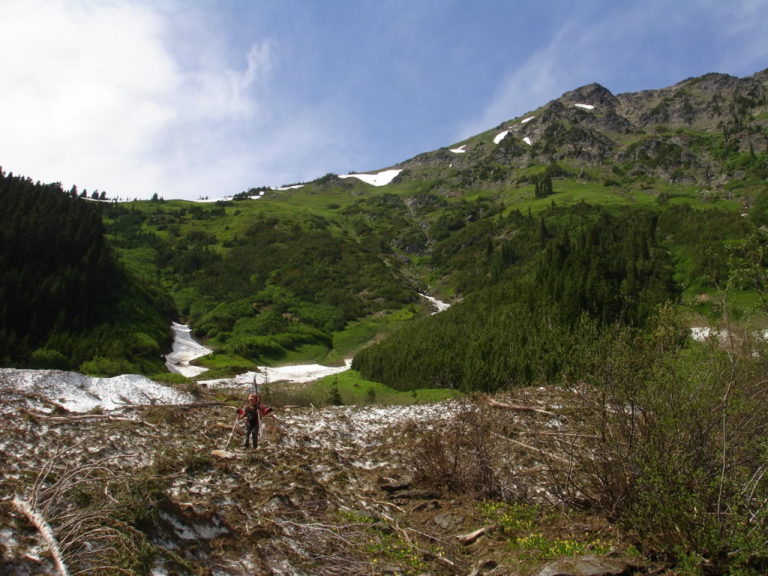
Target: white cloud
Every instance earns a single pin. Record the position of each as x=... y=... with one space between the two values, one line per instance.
x=93 y=95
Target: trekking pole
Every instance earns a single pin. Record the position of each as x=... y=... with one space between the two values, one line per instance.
x=237 y=417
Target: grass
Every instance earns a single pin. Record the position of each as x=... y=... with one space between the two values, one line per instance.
x=358 y=334
x=534 y=534
x=218 y=360
x=349 y=388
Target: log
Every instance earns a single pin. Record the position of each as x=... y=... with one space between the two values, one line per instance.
x=471 y=537
x=520 y=408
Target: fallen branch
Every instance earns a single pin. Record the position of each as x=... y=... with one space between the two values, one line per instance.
x=45 y=530
x=520 y=408
x=471 y=537
x=75 y=417
x=534 y=449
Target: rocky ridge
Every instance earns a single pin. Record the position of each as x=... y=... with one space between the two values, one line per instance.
x=684 y=133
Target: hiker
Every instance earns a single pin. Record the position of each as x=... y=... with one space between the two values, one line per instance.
x=252 y=414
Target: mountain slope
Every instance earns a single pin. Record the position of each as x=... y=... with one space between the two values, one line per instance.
x=64 y=300
x=693 y=132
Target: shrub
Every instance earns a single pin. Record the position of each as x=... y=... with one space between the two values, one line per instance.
x=48 y=358
x=680 y=455
x=101 y=366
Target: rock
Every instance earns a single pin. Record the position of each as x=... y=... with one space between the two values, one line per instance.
x=449 y=521
x=280 y=502
x=483 y=567
x=587 y=566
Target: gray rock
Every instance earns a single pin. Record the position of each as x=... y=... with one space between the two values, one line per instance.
x=587 y=566
x=449 y=521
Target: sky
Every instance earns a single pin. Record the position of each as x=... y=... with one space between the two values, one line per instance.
x=208 y=98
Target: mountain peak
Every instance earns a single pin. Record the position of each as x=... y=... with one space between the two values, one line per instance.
x=590 y=94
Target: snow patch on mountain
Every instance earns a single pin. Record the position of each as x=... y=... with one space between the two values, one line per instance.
x=185 y=349
x=284 y=188
x=459 y=150
x=527 y=140
x=526 y=120
x=500 y=136
x=378 y=179
x=585 y=106
x=41 y=390
x=439 y=305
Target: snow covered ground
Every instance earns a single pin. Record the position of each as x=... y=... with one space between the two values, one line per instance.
x=585 y=106
x=298 y=374
x=459 y=150
x=527 y=140
x=500 y=136
x=526 y=120
x=283 y=188
x=38 y=389
x=379 y=179
x=185 y=349
x=439 y=305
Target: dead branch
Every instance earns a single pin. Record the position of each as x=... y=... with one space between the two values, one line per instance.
x=471 y=537
x=519 y=408
x=84 y=417
x=45 y=530
x=534 y=449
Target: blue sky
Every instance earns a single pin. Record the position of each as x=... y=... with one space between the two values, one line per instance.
x=191 y=98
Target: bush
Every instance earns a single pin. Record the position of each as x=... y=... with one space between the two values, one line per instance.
x=101 y=366
x=682 y=444
x=48 y=358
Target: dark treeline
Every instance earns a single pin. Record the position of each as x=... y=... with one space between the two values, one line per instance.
x=593 y=269
x=63 y=299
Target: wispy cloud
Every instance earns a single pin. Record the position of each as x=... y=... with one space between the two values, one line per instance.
x=93 y=94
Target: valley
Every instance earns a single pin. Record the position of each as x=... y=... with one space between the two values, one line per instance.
x=480 y=358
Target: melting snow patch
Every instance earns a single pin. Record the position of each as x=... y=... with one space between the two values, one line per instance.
x=362 y=426
x=185 y=349
x=500 y=136
x=459 y=150
x=526 y=120
x=585 y=106
x=380 y=179
x=438 y=304
x=283 y=188
x=527 y=140
x=297 y=374
x=78 y=393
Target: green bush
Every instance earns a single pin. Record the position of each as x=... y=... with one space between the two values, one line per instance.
x=682 y=444
x=48 y=358
x=101 y=366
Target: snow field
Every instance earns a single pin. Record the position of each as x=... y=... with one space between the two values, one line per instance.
x=500 y=136
x=78 y=393
x=378 y=179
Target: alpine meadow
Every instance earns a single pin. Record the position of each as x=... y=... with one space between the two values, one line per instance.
x=599 y=378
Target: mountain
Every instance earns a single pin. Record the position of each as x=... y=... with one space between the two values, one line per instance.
x=708 y=131
x=316 y=270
